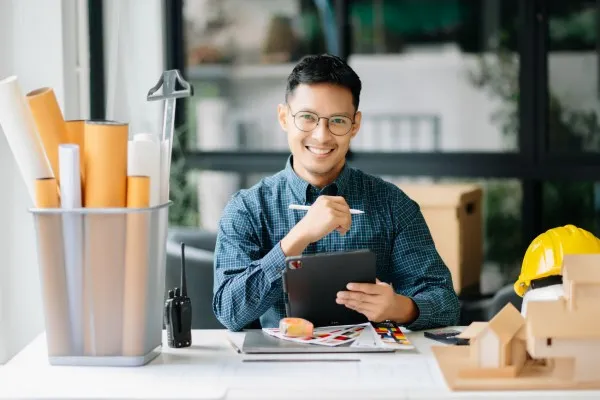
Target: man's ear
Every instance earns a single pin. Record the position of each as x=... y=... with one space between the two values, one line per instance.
x=356 y=126
x=282 y=116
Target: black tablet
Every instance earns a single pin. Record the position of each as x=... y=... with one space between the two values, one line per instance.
x=311 y=283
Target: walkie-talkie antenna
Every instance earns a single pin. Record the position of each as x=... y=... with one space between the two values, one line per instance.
x=183 y=278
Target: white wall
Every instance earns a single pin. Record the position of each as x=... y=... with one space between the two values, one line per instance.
x=489 y=350
x=6 y=169
x=31 y=48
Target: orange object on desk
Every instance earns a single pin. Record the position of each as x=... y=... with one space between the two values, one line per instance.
x=295 y=327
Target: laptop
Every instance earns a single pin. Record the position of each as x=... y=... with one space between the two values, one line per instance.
x=258 y=342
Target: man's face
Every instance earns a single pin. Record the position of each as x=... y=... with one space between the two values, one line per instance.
x=318 y=153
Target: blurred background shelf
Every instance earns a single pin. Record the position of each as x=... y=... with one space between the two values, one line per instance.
x=238 y=72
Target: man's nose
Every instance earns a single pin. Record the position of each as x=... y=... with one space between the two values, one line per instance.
x=321 y=132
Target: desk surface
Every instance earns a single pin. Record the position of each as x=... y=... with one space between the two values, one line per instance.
x=212 y=369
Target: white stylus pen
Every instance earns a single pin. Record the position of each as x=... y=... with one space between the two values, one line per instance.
x=306 y=208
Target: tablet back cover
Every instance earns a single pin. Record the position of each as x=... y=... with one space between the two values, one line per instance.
x=311 y=286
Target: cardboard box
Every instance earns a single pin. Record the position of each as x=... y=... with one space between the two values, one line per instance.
x=454 y=216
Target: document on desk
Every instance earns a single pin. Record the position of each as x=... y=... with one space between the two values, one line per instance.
x=325 y=336
x=361 y=335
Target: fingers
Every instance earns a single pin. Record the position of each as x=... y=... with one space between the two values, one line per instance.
x=344 y=208
x=341 y=221
x=368 y=288
x=363 y=308
x=356 y=297
x=335 y=202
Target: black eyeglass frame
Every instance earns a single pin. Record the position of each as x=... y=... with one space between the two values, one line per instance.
x=319 y=120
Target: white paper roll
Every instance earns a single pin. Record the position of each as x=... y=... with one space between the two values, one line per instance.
x=17 y=123
x=70 y=190
x=146 y=136
x=144 y=159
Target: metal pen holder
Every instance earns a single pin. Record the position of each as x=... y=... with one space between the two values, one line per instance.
x=102 y=273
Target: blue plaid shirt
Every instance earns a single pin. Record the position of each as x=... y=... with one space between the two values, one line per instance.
x=249 y=260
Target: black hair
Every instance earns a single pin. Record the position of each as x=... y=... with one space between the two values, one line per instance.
x=324 y=68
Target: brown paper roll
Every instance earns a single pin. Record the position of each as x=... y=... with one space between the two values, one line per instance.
x=49 y=122
x=46 y=195
x=136 y=267
x=105 y=164
x=103 y=290
x=75 y=135
x=138 y=191
x=52 y=270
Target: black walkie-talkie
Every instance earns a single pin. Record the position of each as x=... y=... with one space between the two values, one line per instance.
x=178 y=312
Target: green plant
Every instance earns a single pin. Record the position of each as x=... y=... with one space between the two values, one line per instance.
x=184 y=207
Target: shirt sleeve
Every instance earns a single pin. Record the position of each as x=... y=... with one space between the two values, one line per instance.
x=419 y=272
x=246 y=282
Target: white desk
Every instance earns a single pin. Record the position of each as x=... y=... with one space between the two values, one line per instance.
x=212 y=369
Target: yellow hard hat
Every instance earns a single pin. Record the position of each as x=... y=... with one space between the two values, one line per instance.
x=544 y=256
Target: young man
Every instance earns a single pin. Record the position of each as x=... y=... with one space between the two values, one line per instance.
x=257 y=230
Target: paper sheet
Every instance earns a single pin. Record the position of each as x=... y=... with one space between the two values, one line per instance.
x=21 y=134
x=391 y=335
x=324 y=336
x=362 y=335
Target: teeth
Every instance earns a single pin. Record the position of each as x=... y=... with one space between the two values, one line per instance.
x=318 y=151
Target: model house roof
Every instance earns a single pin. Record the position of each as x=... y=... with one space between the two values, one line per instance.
x=507 y=322
x=552 y=319
x=581 y=268
x=473 y=330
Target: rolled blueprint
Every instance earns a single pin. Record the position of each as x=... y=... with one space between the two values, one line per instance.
x=50 y=124
x=144 y=160
x=52 y=271
x=136 y=267
x=105 y=164
x=21 y=134
x=105 y=152
x=70 y=190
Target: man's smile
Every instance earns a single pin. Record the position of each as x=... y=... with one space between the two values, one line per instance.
x=320 y=151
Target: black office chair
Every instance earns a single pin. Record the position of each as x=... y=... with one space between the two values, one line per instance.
x=199 y=256
x=199 y=273
x=485 y=308
x=194 y=237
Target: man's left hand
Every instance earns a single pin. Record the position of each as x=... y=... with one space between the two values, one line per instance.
x=378 y=302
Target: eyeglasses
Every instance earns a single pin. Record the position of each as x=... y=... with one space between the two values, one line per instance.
x=306 y=121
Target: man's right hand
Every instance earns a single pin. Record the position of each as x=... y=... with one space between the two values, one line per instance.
x=328 y=213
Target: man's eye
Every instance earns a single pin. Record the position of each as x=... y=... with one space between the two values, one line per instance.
x=339 y=121
x=307 y=117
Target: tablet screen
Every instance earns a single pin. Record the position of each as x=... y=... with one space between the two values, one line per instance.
x=311 y=284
